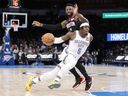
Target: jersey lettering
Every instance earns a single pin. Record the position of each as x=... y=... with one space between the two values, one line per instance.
x=70 y=24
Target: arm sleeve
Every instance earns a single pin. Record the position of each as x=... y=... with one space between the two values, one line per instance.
x=52 y=27
x=58 y=40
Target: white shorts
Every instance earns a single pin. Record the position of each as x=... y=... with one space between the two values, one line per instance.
x=63 y=54
x=68 y=60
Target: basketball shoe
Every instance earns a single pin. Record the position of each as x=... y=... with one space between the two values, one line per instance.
x=88 y=83
x=29 y=84
x=78 y=82
x=54 y=84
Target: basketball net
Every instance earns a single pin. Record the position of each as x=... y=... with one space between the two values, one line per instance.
x=15 y=27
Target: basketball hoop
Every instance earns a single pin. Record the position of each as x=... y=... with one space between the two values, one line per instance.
x=14 y=20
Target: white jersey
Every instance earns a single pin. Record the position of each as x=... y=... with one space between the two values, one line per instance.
x=79 y=45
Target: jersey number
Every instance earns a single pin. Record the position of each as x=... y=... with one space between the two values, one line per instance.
x=79 y=51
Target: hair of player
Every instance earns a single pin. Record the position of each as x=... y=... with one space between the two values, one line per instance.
x=69 y=4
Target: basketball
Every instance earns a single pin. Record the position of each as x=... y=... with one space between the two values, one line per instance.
x=48 y=39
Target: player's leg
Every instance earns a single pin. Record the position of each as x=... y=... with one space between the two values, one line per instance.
x=69 y=62
x=88 y=79
x=78 y=78
x=74 y=72
x=82 y=69
x=44 y=77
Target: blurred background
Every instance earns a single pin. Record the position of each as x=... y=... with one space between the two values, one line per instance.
x=27 y=46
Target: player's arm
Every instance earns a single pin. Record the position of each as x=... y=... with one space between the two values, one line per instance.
x=63 y=38
x=91 y=37
x=82 y=18
x=76 y=14
x=50 y=26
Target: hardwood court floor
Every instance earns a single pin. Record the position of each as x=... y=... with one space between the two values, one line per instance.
x=105 y=79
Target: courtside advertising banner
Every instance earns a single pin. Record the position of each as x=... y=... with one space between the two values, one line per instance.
x=117 y=37
x=7 y=54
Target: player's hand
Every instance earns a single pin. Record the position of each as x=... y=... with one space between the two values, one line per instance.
x=38 y=24
x=75 y=10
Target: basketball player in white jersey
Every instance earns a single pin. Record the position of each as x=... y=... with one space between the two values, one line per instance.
x=78 y=43
x=72 y=23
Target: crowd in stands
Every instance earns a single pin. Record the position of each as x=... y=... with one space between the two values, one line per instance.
x=21 y=48
x=34 y=48
x=113 y=50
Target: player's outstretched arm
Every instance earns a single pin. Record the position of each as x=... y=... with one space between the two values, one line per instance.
x=63 y=38
x=36 y=23
x=49 y=26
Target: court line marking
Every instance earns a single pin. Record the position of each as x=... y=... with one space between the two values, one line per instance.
x=118 y=86
x=88 y=93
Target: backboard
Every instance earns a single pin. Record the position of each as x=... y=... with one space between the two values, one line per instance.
x=10 y=19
